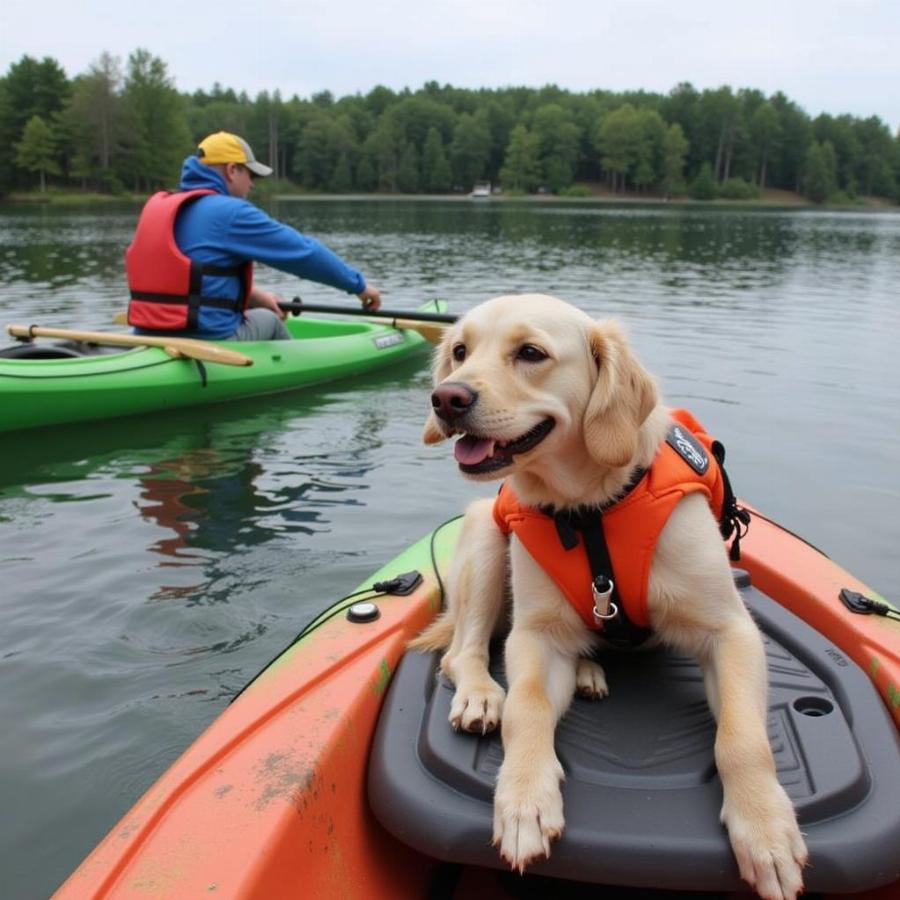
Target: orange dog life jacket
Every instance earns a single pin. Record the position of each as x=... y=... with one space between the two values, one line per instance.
x=687 y=461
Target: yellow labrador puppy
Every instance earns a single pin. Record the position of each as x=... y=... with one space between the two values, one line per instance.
x=557 y=404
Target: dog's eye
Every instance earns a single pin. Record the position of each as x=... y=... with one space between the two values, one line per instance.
x=530 y=353
x=459 y=352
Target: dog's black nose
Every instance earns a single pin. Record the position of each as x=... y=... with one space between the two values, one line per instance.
x=452 y=400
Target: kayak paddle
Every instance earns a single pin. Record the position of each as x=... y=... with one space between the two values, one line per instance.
x=429 y=324
x=174 y=346
x=411 y=315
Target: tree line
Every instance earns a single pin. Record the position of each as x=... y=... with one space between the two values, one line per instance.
x=126 y=128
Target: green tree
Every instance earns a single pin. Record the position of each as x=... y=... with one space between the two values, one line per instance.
x=675 y=148
x=413 y=117
x=93 y=125
x=7 y=167
x=631 y=143
x=498 y=117
x=435 y=166
x=724 y=109
x=366 y=178
x=470 y=150
x=681 y=106
x=265 y=135
x=157 y=120
x=765 y=134
x=787 y=156
x=521 y=169
x=820 y=172
x=873 y=169
x=381 y=150
x=839 y=133
x=36 y=152
x=34 y=88
x=219 y=110
x=559 y=143
x=342 y=178
x=703 y=187
x=895 y=165
x=408 y=170
x=29 y=88
x=322 y=142
x=617 y=138
x=650 y=149
x=380 y=99
x=314 y=159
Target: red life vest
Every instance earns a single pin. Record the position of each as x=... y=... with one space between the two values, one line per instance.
x=165 y=284
x=684 y=464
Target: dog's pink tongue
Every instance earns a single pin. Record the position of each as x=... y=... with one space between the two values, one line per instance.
x=470 y=450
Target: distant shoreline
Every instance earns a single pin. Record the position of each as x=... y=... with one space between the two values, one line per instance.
x=769 y=199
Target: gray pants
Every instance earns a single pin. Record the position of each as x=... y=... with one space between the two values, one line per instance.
x=261 y=325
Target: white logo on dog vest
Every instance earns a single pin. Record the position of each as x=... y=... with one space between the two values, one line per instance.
x=688 y=448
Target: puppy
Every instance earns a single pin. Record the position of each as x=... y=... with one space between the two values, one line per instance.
x=556 y=403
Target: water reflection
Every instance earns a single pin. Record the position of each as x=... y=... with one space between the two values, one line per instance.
x=213 y=483
x=175 y=492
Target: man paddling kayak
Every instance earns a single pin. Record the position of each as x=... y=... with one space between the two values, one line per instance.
x=190 y=265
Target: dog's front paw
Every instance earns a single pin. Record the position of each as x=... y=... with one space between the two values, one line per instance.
x=590 y=680
x=528 y=812
x=767 y=843
x=476 y=706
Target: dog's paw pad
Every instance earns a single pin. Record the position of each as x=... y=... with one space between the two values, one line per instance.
x=477 y=710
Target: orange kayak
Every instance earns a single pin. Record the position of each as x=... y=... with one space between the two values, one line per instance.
x=291 y=793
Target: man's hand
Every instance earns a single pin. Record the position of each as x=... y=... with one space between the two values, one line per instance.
x=268 y=300
x=370 y=297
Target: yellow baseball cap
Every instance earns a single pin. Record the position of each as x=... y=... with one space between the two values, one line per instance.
x=223 y=147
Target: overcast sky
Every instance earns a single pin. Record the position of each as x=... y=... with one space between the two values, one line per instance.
x=827 y=55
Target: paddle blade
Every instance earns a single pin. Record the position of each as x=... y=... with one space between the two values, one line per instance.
x=433 y=332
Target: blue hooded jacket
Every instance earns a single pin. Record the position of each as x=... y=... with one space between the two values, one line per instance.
x=221 y=230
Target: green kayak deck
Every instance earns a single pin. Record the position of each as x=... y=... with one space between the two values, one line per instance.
x=91 y=383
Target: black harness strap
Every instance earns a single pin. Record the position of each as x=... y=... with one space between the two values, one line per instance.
x=618 y=630
x=195 y=298
x=735 y=519
x=217 y=302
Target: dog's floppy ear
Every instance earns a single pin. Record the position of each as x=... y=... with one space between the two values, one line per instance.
x=623 y=396
x=440 y=370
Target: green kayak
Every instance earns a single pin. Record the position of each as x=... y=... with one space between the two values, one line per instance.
x=53 y=384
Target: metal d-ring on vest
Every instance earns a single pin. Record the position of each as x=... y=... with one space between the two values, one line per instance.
x=601 y=590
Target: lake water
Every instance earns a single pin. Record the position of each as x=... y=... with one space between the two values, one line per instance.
x=149 y=568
